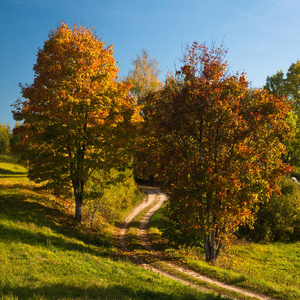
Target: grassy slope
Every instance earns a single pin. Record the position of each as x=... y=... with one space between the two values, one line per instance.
x=45 y=255
x=272 y=269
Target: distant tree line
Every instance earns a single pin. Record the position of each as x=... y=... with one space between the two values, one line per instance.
x=279 y=219
x=7 y=139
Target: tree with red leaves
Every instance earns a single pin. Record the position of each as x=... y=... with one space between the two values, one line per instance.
x=217 y=148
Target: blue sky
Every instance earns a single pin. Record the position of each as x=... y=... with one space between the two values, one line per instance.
x=262 y=36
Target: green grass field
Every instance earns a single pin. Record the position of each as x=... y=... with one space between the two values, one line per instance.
x=272 y=269
x=46 y=255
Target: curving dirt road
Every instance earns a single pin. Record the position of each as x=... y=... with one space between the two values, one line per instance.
x=153 y=201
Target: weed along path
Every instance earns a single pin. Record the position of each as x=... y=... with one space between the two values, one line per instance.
x=137 y=221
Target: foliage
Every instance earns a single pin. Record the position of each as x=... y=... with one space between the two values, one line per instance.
x=293 y=154
x=110 y=193
x=4 y=138
x=144 y=79
x=145 y=75
x=288 y=85
x=218 y=145
x=279 y=219
x=76 y=117
x=15 y=139
x=292 y=84
x=8 y=140
x=275 y=84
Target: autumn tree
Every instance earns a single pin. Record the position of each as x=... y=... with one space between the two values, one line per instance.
x=144 y=79
x=218 y=147
x=145 y=75
x=76 y=117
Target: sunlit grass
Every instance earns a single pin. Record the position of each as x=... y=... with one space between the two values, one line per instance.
x=272 y=269
x=45 y=254
x=9 y=168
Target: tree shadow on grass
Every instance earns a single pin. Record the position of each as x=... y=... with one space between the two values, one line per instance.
x=116 y=291
x=8 y=158
x=135 y=224
x=34 y=238
x=20 y=204
x=10 y=172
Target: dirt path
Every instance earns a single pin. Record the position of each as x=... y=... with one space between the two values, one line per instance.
x=154 y=200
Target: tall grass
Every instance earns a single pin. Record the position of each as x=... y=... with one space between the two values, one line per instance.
x=46 y=255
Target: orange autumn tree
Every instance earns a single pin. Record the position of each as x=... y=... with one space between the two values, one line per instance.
x=218 y=147
x=76 y=116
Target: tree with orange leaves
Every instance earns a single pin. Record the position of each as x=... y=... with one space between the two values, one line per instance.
x=217 y=148
x=76 y=116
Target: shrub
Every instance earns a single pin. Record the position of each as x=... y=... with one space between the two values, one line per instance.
x=178 y=234
x=109 y=194
x=4 y=138
x=279 y=219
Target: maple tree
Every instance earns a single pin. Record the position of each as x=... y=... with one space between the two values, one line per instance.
x=77 y=118
x=217 y=146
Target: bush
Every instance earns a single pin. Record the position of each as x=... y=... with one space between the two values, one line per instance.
x=109 y=194
x=279 y=219
x=4 y=138
x=178 y=233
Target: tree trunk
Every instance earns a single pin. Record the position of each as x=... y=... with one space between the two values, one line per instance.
x=78 y=202
x=212 y=247
x=78 y=187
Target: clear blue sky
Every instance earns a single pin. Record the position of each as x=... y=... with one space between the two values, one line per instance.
x=262 y=36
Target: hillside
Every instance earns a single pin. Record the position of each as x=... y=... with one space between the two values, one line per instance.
x=45 y=255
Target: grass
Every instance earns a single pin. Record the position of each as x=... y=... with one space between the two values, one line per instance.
x=271 y=269
x=9 y=168
x=46 y=255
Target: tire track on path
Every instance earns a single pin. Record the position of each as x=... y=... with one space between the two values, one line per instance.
x=154 y=200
